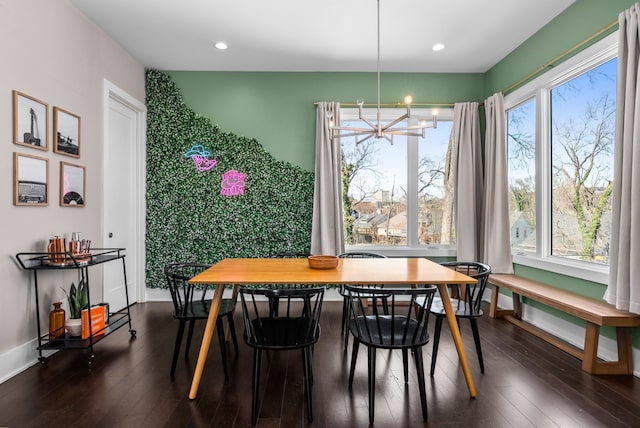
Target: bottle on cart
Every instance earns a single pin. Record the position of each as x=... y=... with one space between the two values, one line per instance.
x=56 y=322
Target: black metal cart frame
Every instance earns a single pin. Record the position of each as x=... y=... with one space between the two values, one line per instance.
x=41 y=261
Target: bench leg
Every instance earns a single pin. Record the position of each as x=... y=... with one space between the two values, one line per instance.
x=494 y=311
x=590 y=362
x=590 y=355
x=493 y=304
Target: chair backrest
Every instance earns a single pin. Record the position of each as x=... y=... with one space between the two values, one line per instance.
x=293 y=323
x=471 y=294
x=405 y=326
x=361 y=255
x=183 y=293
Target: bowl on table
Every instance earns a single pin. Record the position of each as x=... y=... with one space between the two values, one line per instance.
x=323 y=262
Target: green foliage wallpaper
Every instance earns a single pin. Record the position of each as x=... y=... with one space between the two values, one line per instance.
x=187 y=217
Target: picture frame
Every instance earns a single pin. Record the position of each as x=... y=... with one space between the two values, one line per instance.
x=72 y=185
x=30 y=121
x=30 y=180
x=66 y=132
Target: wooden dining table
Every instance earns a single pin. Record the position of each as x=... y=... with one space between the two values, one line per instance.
x=362 y=271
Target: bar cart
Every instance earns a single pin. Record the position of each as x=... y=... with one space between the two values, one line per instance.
x=63 y=261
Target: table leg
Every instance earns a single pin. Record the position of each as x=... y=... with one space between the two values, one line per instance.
x=457 y=339
x=206 y=339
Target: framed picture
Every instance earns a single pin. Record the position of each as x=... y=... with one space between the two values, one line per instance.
x=30 y=180
x=72 y=185
x=30 y=121
x=66 y=132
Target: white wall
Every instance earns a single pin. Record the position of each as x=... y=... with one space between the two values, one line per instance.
x=51 y=51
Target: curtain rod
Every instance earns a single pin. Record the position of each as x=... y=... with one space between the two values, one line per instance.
x=552 y=62
x=549 y=64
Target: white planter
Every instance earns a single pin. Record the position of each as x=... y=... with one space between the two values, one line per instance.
x=74 y=326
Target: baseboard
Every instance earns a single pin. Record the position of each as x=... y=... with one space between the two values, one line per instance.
x=20 y=358
x=569 y=332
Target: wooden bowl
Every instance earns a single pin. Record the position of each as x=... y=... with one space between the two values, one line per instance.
x=322 y=262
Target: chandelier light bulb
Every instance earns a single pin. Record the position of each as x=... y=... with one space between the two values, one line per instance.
x=360 y=102
x=408 y=99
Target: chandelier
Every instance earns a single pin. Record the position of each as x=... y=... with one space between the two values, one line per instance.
x=376 y=129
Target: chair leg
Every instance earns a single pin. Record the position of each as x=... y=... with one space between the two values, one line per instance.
x=372 y=382
x=176 y=348
x=420 y=371
x=192 y=324
x=405 y=364
x=255 y=384
x=346 y=315
x=436 y=341
x=223 y=347
x=354 y=357
x=308 y=380
x=476 y=339
x=232 y=329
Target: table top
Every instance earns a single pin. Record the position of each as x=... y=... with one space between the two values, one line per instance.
x=348 y=271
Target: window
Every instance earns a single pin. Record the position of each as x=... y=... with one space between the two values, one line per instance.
x=582 y=128
x=521 y=128
x=394 y=195
x=560 y=131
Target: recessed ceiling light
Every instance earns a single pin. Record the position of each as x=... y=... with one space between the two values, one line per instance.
x=221 y=45
x=437 y=47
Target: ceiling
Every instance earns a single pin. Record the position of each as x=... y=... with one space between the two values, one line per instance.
x=321 y=35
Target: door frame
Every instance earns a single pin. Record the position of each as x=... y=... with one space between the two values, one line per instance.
x=137 y=255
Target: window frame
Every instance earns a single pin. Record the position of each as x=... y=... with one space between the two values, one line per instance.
x=413 y=248
x=539 y=89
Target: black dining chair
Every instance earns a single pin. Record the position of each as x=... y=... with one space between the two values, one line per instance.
x=286 y=255
x=403 y=328
x=466 y=300
x=190 y=305
x=295 y=325
x=345 y=301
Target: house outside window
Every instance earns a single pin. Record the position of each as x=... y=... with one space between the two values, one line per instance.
x=395 y=195
x=560 y=131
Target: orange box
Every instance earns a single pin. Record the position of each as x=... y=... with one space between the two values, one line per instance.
x=97 y=321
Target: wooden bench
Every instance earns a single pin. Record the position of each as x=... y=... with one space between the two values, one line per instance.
x=596 y=313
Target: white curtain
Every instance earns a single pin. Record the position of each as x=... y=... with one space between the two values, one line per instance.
x=467 y=157
x=624 y=267
x=327 y=230
x=495 y=235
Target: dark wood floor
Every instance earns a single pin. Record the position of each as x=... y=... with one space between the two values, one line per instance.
x=527 y=383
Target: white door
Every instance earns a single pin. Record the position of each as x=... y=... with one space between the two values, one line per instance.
x=124 y=193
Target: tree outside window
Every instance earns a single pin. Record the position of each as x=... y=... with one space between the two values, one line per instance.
x=395 y=195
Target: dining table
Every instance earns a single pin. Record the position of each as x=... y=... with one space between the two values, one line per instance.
x=400 y=271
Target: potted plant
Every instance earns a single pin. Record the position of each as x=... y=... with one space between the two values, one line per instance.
x=77 y=299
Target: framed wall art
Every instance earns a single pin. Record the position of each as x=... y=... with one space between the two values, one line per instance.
x=30 y=121
x=30 y=180
x=72 y=185
x=66 y=132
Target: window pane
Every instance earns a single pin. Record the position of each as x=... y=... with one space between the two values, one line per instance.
x=375 y=200
x=582 y=131
x=521 y=125
x=436 y=219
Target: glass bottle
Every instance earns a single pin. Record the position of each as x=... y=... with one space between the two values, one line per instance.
x=56 y=322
